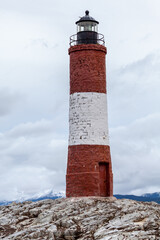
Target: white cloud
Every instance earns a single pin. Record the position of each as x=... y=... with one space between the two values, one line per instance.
x=134 y=117
x=33 y=158
x=134 y=90
x=34 y=81
x=8 y=101
x=136 y=154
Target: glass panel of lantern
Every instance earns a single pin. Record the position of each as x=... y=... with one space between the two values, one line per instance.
x=87 y=26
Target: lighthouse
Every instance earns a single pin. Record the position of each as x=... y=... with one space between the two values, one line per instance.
x=89 y=169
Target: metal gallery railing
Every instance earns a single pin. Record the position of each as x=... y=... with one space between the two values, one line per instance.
x=98 y=40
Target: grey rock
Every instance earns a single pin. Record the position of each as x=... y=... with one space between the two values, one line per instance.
x=81 y=218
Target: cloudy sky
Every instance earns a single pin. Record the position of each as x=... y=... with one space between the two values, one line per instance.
x=34 y=92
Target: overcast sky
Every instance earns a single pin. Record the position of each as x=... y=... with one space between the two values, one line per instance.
x=34 y=92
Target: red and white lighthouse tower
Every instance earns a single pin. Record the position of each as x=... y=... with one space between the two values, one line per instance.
x=89 y=170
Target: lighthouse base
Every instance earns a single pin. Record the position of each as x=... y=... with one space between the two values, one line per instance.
x=89 y=171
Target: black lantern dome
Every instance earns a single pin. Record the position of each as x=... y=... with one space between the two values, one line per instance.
x=87 y=18
x=87 y=28
x=87 y=31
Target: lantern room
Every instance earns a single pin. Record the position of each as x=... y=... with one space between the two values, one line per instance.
x=87 y=30
x=87 y=23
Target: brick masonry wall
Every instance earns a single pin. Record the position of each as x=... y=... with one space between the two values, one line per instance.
x=89 y=159
x=83 y=170
x=87 y=68
x=86 y=158
x=88 y=120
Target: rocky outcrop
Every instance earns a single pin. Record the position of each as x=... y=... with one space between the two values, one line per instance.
x=80 y=218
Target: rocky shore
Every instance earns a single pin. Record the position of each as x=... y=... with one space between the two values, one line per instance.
x=80 y=218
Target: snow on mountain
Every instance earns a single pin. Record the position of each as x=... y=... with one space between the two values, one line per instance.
x=152 y=195
x=47 y=194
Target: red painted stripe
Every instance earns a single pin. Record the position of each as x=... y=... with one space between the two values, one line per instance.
x=83 y=171
x=87 y=68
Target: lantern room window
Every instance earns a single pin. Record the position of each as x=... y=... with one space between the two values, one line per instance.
x=87 y=26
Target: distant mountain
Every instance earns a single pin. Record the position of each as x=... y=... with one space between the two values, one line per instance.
x=48 y=194
x=152 y=195
x=147 y=197
x=4 y=203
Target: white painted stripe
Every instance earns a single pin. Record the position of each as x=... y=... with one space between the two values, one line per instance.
x=88 y=119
